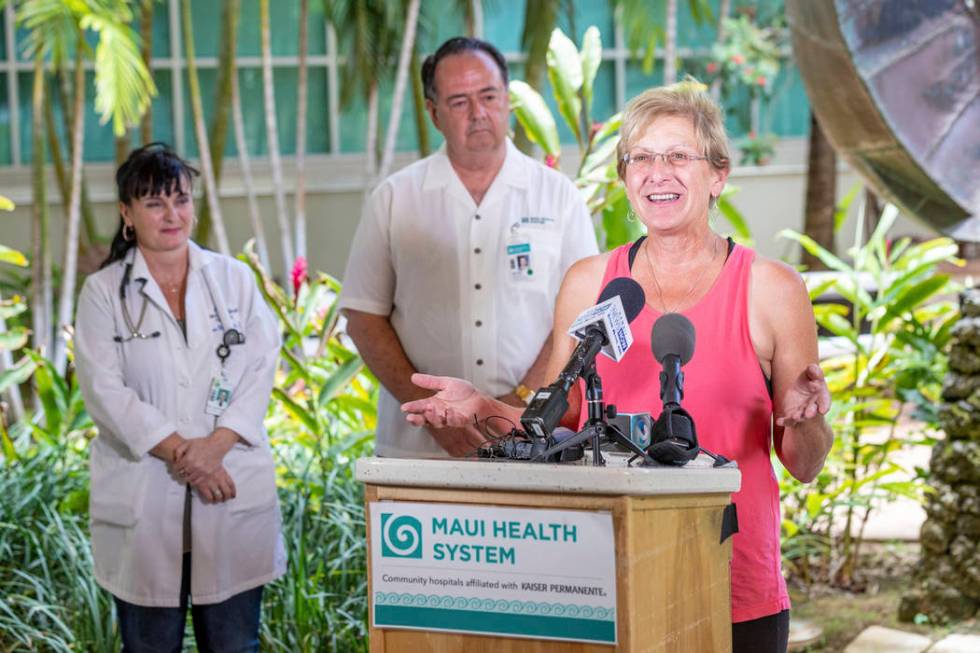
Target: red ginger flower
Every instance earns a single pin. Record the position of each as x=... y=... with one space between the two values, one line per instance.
x=298 y=273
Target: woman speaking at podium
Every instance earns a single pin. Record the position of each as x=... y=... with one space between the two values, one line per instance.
x=753 y=381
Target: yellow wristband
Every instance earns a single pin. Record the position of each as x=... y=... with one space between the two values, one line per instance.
x=524 y=393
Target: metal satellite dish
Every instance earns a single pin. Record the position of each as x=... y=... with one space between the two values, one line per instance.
x=896 y=86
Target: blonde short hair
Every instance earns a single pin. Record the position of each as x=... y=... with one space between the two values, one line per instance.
x=689 y=99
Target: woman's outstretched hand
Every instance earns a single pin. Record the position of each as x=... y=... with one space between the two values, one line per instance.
x=451 y=414
x=806 y=398
x=454 y=404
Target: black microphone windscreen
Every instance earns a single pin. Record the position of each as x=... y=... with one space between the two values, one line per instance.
x=630 y=293
x=672 y=334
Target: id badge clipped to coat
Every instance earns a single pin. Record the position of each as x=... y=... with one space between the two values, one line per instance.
x=519 y=255
x=219 y=395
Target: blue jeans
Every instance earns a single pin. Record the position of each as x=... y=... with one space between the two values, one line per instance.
x=231 y=626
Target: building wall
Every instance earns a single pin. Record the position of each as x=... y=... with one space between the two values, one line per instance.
x=771 y=198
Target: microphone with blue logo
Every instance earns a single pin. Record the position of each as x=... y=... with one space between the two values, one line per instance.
x=603 y=328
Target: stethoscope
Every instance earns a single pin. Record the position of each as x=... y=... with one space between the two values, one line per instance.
x=230 y=337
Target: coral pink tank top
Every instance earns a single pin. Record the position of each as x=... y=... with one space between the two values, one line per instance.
x=725 y=392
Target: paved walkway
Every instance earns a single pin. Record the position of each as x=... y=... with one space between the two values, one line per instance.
x=877 y=639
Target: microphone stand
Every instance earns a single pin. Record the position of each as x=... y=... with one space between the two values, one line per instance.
x=596 y=428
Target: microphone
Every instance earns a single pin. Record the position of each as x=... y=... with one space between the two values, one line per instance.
x=619 y=303
x=674 y=437
x=601 y=328
x=672 y=341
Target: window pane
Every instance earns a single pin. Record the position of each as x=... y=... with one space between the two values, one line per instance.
x=253 y=111
x=5 y=158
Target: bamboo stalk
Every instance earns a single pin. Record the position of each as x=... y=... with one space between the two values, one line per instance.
x=272 y=138
x=301 y=92
x=200 y=130
x=146 y=49
x=401 y=79
x=241 y=144
x=70 y=270
x=41 y=255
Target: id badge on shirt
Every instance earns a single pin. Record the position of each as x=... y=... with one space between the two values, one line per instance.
x=519 y=256
x=219 y=395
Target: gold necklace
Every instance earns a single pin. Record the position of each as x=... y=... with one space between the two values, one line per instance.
x=660 y=292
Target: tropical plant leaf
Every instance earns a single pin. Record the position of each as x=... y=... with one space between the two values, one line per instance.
x=814 y=248
x=123 y=85
x=618 y=228
x=535 y=117
x=565 y=75
x=734 y=218
x=339 y=380
x=600 y=156
x=914 y=296
x=844 y=207
x=297 y=411
x=12 y=256
x=591 y=56
x=17 y=374
x=13 y=339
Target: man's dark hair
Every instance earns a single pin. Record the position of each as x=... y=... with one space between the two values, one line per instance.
x=458 y=45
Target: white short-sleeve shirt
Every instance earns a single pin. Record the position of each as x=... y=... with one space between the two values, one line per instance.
x=469 y=289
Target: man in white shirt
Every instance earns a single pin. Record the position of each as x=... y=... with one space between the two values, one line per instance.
x=458 y=257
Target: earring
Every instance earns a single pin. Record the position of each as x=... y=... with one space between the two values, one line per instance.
x=128 y=233
x=631 y=215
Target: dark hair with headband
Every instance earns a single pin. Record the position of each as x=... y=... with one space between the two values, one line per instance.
x=153 y=169
x=458 y=45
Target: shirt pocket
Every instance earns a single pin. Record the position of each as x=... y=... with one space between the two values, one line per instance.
x=532 y=259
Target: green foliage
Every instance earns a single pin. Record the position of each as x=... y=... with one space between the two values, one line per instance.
x=572 y=75
x=641 y=21
x=746 y=63
x=322 y=419
x=749 y=56
x=50 y=600
x=123 y=85
x=756 y=150
x=895 y=333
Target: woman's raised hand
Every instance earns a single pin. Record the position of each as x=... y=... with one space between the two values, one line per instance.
x=806 y=398
x=454 y=404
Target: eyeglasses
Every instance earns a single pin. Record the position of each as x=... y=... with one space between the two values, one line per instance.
x=644 y=159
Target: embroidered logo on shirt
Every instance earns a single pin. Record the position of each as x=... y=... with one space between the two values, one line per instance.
x=536 y=222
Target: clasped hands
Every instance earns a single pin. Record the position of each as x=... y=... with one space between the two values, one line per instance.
x=198 y=462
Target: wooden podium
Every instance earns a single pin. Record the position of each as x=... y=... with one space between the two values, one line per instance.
x=672 y=567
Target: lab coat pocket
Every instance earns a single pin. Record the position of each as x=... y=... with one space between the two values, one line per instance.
x=117 y=493
x=254 y=473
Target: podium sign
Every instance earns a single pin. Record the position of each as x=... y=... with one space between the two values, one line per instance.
x=535 y=573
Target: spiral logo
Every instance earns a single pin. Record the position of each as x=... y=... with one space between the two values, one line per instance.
x=401 y=536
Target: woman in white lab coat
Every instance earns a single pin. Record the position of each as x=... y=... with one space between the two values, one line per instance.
x=176 y=352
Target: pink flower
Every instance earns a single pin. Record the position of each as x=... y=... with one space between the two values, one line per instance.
x=551 y=161
x=738 y=59
x=752 y=135
x=712 y=68
x=298 y=273
x=760 y=80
